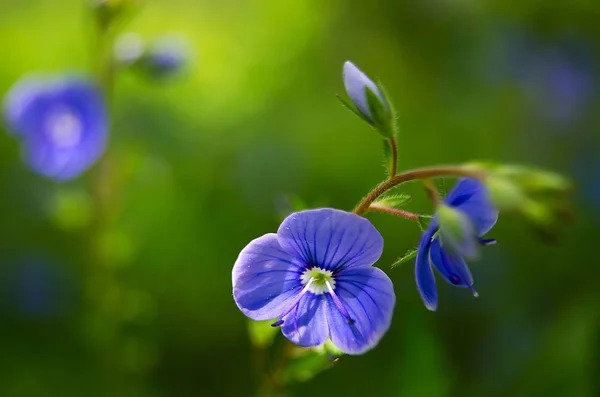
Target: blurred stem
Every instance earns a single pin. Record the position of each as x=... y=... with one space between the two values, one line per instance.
x=423 y=173
x=432 y=192
x=101 y=277
x=273 y=380
x=394 y=211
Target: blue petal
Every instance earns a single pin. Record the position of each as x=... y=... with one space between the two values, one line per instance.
x=368 y=296
x=452 y=268
x=24 y=103
x=424 y=272
x=265 y=279
x=355 y=82
x=306 y=325
x=471 y=196
x=330 y=239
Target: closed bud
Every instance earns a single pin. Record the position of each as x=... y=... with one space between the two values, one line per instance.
x=166 y=56
x=369 y=100
x=504 y=193
x=107 y=11
x=129 y=49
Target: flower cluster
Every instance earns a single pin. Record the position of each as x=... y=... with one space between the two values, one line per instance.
x=314 y=278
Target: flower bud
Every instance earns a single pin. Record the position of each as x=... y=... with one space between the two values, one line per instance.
x=457 y=232
x=129 y=49
x=369 y=100
x=504 y=193
x=538 y=196
x=166 y=56
x=108 y=11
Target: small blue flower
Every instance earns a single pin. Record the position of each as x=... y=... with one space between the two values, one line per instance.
x=61 y=122
x=167 y=56
x=315 y=275
x=470 y=197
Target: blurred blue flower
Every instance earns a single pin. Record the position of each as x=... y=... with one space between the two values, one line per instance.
x=61 y=122
x=315 y=275
x=37 y=288
x=167 y=55
x=470 y=197
x=558 y=77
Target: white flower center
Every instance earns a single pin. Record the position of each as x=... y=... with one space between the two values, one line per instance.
x=64 y=128
x=320 y=279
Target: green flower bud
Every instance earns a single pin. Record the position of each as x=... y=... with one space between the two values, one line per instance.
x=457 y=232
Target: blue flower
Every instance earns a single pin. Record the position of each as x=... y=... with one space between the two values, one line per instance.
x=62 y=124
x=470 y=197
x=167 y=56
x=315 y=276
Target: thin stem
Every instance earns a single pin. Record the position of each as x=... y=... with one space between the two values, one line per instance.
x=394 y=211
x=432 y=192
x=422 y=173
x=394 y=156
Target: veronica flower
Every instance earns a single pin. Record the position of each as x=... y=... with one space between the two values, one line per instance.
x=167 y=55
x=469 y=197
x=315 y=276
x=62 y=124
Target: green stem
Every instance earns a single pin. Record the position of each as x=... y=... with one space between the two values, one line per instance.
x=423 y=173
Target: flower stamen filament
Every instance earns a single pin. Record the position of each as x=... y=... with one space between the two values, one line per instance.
x=339 y=305
x=294 y=304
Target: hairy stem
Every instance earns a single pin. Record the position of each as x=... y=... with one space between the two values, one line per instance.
x=394 y=156
x=394 y=211
x=422 y=173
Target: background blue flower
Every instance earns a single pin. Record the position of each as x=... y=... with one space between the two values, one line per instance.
x=167 y=55
x=470 y=197
x=315 y=274
x=61 y=122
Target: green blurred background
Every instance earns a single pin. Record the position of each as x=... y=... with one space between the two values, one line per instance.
x=203 y=163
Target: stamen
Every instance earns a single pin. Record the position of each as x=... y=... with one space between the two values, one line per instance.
x=487 y=241
x=339 y=305
x=294 y=303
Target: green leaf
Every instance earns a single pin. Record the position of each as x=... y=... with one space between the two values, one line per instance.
x=380 y=114
x=352 y=109
x=392 y=108
x=411 y=254
x=393 y=200
x=261 y=333
x=424 y=221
